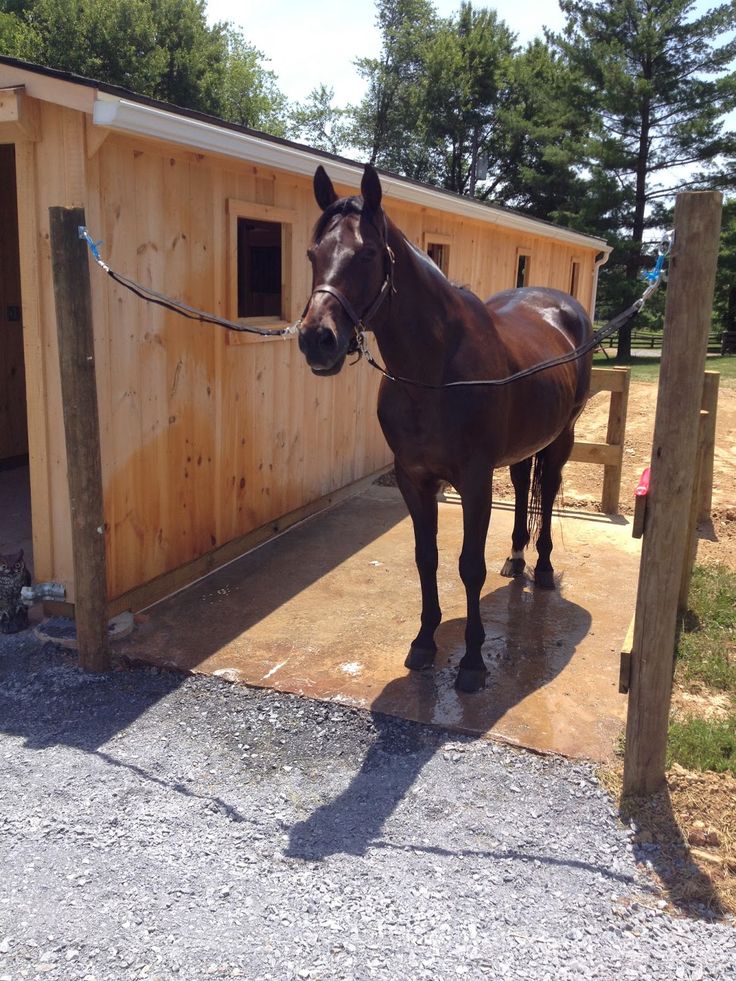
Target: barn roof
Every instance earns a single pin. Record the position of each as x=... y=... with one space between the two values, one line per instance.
x=116 y=108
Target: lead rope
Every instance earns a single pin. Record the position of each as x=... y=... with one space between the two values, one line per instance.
x=654 y=278
x=359 y=344
x=191 y=313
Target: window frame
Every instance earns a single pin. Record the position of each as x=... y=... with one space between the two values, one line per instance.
x=287 y=218
x=576 y=276
x=523 y=253
x=439 y=238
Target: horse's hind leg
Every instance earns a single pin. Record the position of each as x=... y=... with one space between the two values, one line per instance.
x=521 y=474
x=476 y=493
x=421 y=500
x=550 y=462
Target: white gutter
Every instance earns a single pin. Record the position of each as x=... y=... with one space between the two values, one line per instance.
x=596 y=270
x=143 y=120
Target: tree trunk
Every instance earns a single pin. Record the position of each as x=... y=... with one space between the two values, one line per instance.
x=633 y=263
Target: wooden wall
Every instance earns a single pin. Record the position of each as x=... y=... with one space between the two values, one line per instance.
x=13 y=427
x=206 y=435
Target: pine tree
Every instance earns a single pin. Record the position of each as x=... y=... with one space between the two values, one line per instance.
x=660 y=84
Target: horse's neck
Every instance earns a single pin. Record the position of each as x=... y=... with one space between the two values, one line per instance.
x=414 y=327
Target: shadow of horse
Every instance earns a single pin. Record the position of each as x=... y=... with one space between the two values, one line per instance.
x=537 y=639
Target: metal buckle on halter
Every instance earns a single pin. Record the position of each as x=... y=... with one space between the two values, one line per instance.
x=357 y=343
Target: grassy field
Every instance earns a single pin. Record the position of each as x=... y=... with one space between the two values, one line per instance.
x=706 y=667
x=646 y=367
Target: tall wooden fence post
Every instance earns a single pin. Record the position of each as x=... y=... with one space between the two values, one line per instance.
x=674 y=451
x=82 y=431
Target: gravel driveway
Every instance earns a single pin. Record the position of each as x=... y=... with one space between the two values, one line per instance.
x=157 y=826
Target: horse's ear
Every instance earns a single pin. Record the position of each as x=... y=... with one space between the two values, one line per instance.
x=324 y=192
x=370 y=188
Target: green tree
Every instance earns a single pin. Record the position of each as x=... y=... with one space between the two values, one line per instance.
x=660 y=84
x=539 y=141
x=465 y=90
x=388 y=124
x=318 y=122
x=249 y=92
x=724 y=304
x=160 y=48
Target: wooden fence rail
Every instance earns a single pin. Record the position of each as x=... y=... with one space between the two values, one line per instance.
x=610 y=454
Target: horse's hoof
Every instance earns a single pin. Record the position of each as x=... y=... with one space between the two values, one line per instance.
x=513 y=568
x=470 y=680
x=420 y=658
x=544 y=578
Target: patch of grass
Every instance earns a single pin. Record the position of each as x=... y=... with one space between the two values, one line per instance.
x=703 y=744
x=646 y=368
x=706 y=650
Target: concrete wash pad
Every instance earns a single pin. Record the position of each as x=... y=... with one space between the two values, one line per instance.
x=328 y=611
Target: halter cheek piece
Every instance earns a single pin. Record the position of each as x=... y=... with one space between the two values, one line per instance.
x=359 y=321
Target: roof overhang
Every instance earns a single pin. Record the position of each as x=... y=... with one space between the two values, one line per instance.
x=128 y=116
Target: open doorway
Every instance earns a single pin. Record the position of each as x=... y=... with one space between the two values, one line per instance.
x=15 y=493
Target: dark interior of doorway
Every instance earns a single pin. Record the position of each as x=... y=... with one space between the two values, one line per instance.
x=15 y=493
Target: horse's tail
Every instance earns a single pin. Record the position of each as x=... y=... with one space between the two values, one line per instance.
x=535 y=498
x=546 y=462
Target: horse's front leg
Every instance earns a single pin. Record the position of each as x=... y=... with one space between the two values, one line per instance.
x=421 y=500
x=476 y=493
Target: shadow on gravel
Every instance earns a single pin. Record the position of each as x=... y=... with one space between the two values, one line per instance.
x=46 y=701
x=528 y=651
x=661 y=845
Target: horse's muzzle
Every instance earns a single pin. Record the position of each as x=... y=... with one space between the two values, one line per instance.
x=321 y=347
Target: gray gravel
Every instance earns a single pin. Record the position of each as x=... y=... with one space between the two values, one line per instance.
x=156 y=826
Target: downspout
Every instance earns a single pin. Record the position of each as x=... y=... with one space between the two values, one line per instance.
x=601 y=260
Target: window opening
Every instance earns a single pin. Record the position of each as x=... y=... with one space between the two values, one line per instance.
x=574 y=277
x=523 y=264
x=439 y=253
x=260 y=278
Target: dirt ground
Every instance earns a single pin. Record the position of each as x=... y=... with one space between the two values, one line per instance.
x=582 y=482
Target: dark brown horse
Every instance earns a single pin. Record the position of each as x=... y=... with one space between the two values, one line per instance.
x=368 y=275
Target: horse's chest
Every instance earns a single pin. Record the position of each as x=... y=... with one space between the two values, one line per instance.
x=431 y=433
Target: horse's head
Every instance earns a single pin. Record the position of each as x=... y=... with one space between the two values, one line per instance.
x=351 y=271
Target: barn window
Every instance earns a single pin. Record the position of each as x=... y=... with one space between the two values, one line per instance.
x=439 y=253
x=437 y=247
x=260 y=269
x=260 y=265
x=574 y=277
x=523 y=267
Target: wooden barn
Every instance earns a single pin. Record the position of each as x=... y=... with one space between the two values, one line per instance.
x=211 y=441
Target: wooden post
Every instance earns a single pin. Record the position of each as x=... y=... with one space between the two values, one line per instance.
x=691 y=541
x=687 y=322
x=710 y=405
x=615 y=437
x=81 y=426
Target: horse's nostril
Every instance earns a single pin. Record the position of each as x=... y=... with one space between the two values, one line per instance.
x=326 y=339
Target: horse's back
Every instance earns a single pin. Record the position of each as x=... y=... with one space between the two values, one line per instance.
x=536 y=309
x=538 y=324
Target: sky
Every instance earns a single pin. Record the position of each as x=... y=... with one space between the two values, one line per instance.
x=309 y=42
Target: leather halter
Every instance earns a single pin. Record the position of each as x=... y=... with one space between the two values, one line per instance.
x=360 y=321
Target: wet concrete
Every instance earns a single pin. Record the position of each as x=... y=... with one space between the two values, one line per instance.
x=328 y=611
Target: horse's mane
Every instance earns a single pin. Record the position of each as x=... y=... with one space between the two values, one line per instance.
x=343 y=206
x=354 y=206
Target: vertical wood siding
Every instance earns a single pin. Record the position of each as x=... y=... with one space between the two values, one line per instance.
x=206 y=438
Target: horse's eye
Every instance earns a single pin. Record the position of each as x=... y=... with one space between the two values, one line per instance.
x=367 y=254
